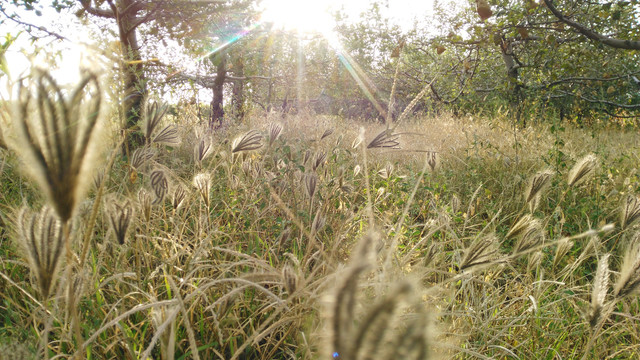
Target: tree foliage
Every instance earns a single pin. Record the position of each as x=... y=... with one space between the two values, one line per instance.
x=534 y=58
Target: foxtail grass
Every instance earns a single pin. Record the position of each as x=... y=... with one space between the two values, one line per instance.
x=154 y=115
x=250 y=141
x=582 y=170
x=59 y=133
x=630 y=211
x=41 y=236
x=120 y=217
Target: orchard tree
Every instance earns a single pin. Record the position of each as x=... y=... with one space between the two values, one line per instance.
x=577 y=57
x=157 y=18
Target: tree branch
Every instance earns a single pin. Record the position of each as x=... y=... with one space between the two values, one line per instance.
x=590 y=34
x=584 y=79
x=40 y=28
x=86 y=5
x=606 y=102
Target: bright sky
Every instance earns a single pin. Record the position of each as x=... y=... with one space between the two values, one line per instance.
x=305 y=15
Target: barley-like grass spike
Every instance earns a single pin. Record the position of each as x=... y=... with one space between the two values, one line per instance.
x=58 y=146
x=530 y=237
x=599 y=292
x=155 y=113
x=482 y=251
x=524 y=223
x=310 y=184
x=564 y=245
x=432 y=159
x=290 y=279
x=629 y=278
x=159 y=184
x=202 y=182
x=582 y=170
x=539 y=182
x=167 y=136
x=630 y=211
x=145 y=203
x=120 y=217
x=252 y=140
x=141 y=156
x=41 y=236
x=275 y=129
x=202 y=150
x=318 y=160
x=327 y=133
x=179 y=195
x=386 y=139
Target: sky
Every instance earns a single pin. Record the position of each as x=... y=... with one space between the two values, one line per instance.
x=76 y=48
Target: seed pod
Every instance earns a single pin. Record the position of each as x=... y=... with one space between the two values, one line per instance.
x=484 y=10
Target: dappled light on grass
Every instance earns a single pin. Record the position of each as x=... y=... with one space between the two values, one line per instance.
x=305 y=236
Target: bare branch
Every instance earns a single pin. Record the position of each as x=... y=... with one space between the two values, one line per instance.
x=590 y=34
x=39 y=28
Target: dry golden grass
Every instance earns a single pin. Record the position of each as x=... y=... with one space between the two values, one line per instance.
x=300 y=239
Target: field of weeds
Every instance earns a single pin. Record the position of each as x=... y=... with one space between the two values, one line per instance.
x=310 y=237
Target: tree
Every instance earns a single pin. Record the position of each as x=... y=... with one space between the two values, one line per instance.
x=180 y=16
x=567 y=56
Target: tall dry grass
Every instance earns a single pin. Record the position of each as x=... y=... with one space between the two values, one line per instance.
x=314 y=237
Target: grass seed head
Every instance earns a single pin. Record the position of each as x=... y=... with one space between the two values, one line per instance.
x=482 y=251
x=629 y=279
x=120 y=216
x=564 y=245
x=154 y=114
x=599 y=291
x=327 y=132
x=179 y=195
x=522 y=225
x=306 y=157
x=318 y=223
x=168 y=136
x=201 y=150
x=538 y=183
x=582 y=170
x=141 y=156
x=319 y=160
x=356 y=170
x=385 y=139
x=387 y=171
x=202 y=182
x=290 y=279
x=630 y=211
x=432 y=160
x=250 y=141
x=275 y=129
x=59 y=133
x=41 y=236
x=530 y=237
x=159 y=184
x=144 y=198
x=310 y=184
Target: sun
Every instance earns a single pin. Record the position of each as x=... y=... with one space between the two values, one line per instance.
x=300 y=15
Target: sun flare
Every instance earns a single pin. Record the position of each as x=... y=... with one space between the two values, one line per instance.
x=300 y=16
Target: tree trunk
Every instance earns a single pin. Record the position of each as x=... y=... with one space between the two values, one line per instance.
x=512 y=78
x=238 y=89
x=217 y=110
x=133 y=74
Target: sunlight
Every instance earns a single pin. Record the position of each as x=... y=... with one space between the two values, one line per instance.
x=300 y=16
x=315 y=17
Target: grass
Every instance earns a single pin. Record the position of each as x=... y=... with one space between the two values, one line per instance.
x=314 y=237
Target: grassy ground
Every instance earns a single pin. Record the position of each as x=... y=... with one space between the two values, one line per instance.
x=303 y=239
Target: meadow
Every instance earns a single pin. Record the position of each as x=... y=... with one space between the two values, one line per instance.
x=306 y=236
